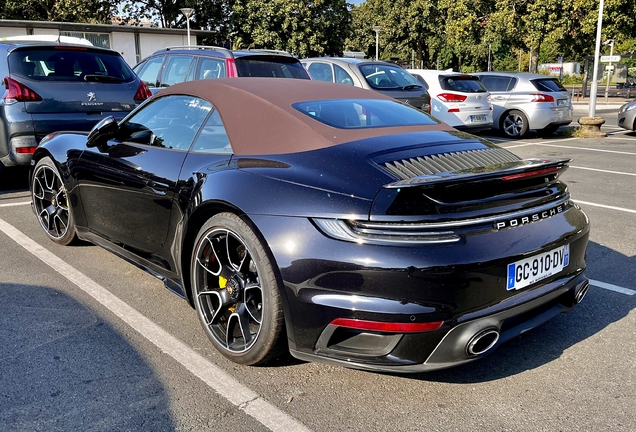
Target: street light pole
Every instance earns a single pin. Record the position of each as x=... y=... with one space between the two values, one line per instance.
x=377 y=41
x=594 y=87
x=187 y=12
x=609 y=67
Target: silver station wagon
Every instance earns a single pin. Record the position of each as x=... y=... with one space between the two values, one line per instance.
x=522 y=102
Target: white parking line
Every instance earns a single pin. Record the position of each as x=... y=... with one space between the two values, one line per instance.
x=518 y=145
x=589 y=149
x=605 y=206
x=225 y=385
x=15 y=204
x=602 y=170
x=611 y=287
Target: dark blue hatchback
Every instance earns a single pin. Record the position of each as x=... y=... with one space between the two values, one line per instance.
x=51 y=87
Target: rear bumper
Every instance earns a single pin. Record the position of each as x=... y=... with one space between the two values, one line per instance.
x=460 y=285
x=541 y=117
x=453 y=349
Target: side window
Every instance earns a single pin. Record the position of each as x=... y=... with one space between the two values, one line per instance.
x=513 y=83
x=139 y=67
x=321 y=72
x=169 y=122
x=211 y=68
x=176 y=70
x=213 y=138
x=149 y=72
x=421 y=80
x=495 y=83
x=342 y=77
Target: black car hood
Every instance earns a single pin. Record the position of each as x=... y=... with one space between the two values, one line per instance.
x=357 y=168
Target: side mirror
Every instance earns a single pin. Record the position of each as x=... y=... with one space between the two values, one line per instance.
x=102 y=132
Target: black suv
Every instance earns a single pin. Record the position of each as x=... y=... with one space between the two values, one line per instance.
x=53 y=86
x=188 y=63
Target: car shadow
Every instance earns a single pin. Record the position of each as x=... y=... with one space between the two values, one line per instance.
x=14 y=179
x=547 y=343
x=63 y=368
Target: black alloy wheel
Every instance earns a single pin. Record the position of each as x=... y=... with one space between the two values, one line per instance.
x=51 y=202
x=515 y=124
x=236 y=292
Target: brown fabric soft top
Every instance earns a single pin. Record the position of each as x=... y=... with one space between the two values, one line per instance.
x=260 y=120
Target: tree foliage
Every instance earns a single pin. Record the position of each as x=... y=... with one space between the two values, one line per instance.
x=304 y=27
x=95 y=11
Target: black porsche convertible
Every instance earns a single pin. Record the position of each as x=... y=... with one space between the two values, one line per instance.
x=323 y=219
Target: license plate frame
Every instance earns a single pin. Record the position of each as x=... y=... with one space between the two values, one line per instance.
x=528 y=271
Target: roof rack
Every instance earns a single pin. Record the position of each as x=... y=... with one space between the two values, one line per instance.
x=270 y=51
x=197 y=47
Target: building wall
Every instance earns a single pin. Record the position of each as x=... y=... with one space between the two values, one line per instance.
x=151 y=43
x=12 y=31
x=124 y=44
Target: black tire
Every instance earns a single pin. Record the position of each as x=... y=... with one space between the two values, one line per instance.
x=51 y=203
x=236 y=292
x=549 y=130
x=514 y=124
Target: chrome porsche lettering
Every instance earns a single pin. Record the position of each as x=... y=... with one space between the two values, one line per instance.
x=535 y=217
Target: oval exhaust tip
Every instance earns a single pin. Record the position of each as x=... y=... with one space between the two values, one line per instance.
x=580 y=294
x=482 y=342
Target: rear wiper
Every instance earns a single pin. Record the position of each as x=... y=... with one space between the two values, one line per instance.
x=411 y=86
x=102 y=78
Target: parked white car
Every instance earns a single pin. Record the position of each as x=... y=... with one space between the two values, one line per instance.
x=459 y=100
x=524 y=101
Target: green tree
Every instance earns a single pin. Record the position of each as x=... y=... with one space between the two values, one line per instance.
x=304 y=27
x=96 y=11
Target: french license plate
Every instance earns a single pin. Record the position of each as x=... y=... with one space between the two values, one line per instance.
x=530 y=270
x=478 y=118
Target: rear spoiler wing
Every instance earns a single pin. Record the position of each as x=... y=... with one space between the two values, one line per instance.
x=503 y=171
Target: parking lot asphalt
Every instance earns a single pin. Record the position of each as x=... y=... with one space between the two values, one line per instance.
x=90 y=342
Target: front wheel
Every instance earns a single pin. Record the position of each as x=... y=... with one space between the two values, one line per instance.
x=236 y=292
x=51 y=202
x=515 y=124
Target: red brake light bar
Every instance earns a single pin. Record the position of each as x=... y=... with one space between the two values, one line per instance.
x=70 y=48
x=530 y=174
x=386 y=326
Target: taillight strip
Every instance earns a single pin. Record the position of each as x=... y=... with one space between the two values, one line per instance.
x=389 y=327
x=530 y=174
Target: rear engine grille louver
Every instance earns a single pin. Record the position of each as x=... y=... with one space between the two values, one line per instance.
x=444 y=162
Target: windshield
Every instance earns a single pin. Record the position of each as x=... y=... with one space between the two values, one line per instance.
x=69 y=64
x=363 y=113
x=388 y=77
x=270 y=67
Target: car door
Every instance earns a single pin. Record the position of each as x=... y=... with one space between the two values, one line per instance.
x=177 y=69
x=131 y=199
x=499 y=87
x=321 y=71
